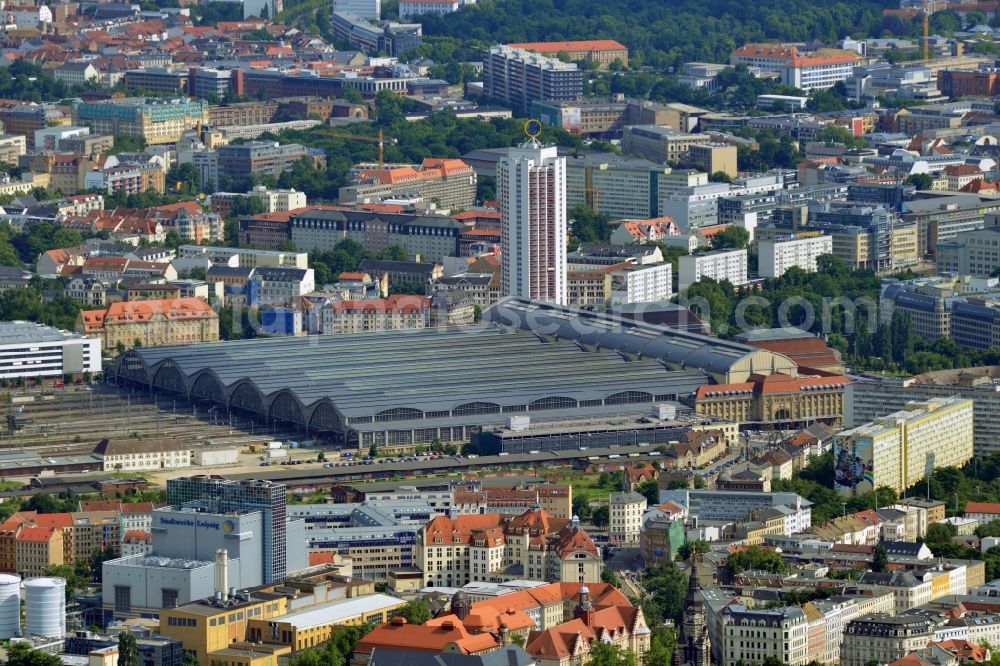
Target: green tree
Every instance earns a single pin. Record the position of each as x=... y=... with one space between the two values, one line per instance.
x=22 y=654
x=731 y=237
x=880 y=559
x=190 y=660
x=609 y=654
x=667 y=587
x=755 y=558
x=128 y=652
x=690 y=548
x=662 y=642
x=581 y=507
x=650 y=490
x=599 y=516
x=922 y=181
x=720 y=177
x=416 y=611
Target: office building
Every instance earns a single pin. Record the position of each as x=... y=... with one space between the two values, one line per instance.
x=778 y=255
x=517 y=78
x=155 y=121
x=625 y=512
x=29 y=350
x=151 y=323
x=718 y=265
x=154 y=80
x=942 y=218
x=660 y=144
x=449 y=183
x=531 y=185
x=11 y=148
x=245 y=257
x=714 y=158
x=386 y=36
x=975 y=253
x=900 y=449
x=660 y=540
x=239 y=161
x=623 y=188
x=366 y=9
x=819 y=70
x=433 y=237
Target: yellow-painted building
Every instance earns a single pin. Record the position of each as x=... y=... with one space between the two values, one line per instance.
x=247 y=654
x=900 y=449
x=205 y=627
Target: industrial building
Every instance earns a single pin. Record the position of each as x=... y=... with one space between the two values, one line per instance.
x=211 y=527
x=400 y=389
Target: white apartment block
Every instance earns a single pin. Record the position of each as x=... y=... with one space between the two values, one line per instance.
x=777 y=256
x=531 y=184
x=248 y=258
x=625 y=517
x=642 y=284
x=720 y=265
x=805 y=71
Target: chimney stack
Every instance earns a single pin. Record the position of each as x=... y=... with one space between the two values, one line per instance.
x=222 y=574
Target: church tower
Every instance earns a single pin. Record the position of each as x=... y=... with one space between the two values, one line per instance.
x=693 y=644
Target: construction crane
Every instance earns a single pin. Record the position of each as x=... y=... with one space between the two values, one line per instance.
x=380 y=140
x=927 y=30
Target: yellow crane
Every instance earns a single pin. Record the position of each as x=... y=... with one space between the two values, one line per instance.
x=380 y=140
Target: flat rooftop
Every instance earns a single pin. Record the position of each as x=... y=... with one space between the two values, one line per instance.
x=13 y=332
x=339 y=611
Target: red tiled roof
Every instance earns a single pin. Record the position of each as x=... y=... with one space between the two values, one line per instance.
x=982 y=507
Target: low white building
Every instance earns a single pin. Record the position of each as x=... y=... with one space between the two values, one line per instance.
x=29 y=350
x=780 y=254
x=139 y=454
x=642 y=284
x=211 y=457
x=719 y=265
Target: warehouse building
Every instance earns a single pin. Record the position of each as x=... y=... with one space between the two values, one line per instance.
x=404 y=388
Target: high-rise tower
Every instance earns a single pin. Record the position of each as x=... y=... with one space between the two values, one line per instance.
x=531 y=183
x=693 y=644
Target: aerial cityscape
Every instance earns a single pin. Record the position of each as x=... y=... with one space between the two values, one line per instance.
x=499 y=333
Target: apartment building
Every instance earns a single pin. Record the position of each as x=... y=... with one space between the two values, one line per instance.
x=37 y=548
x=751 y=635
x=517 y=77
x=900 y=449
x=555 y=499
x=395 y=313
x=884 y=638
x=12 y=147
x=641 y=284
x=625 y=512
x=589 y=287
x=273 y=201
x=737 y=504
x=714 y=158
x=449 y=183
x=283 y=286
x=151 y=323
x=660 y=144
x=534 y=545
x=776 y=256
x=154 y=120
x=819 y=70
x=719 y=265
